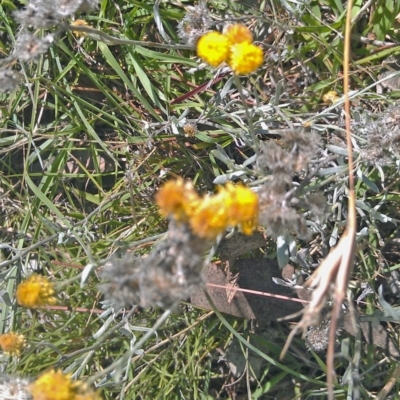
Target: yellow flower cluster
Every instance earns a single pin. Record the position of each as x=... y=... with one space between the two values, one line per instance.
x=208 y=216
x=79 y=22
x=176 y=198
x=12 y=343
x=234 y=47
x=36 y=291
x=54 y=385
x=330 y=97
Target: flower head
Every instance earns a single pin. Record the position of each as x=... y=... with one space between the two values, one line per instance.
x=242 y=204
x=14 y=388
x=231 y=206
x=245 y=58
x=238 y=33
x=234 y=46
x=175 y=198
x=330 y=97
x=36 y=291
x=79 y=22
x=190 y=130
x=213 y=48
x=55 y=385
x=12 y=343
x=211 y=218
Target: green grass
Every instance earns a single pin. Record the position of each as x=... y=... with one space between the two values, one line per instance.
x=94 y=130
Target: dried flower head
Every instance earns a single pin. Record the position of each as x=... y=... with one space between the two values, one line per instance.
x=87 y=6
x=55 y=385
x=213 y=48
x=274 y=158
x=9 y=80
x=12 y=343
x=38 y=14
x=36 y=291
x=195 y=23
x=14 y=388
x=317 y=337
x=317 y=204
x=190 y=130
x=238 y=33
x=281 y=206
x=29 y=47
x=301 y=146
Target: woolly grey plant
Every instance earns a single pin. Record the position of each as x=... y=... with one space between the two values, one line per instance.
x=47 y=14
x=121 y=281
x=9 y=80
x=29 y=47
x=282 y=204
x=167 y=275
x=382 y=138
x=195 y=23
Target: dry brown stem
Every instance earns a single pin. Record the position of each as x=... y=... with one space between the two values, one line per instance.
x=332 y=276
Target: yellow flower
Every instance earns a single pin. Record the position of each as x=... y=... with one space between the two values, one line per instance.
x=238 y=33
x=53 y=385
x=245 y=58
x=12 y=343
x=36 y=291
x=210 y=218
x=175 y=198
x=79 y=22
x=213 y=48
x=242 y=205
x=88 y=396
x=330 y=97
x=231 y=206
